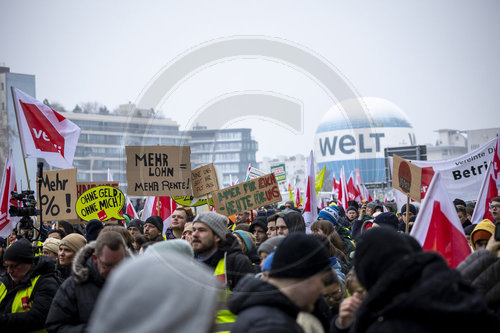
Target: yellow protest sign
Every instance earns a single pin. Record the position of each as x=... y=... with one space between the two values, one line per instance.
x=190 y=201
x=101 y=203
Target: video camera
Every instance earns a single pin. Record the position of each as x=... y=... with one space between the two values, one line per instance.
x=26 y=210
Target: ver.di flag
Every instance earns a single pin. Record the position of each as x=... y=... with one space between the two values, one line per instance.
x=437 y=227
x=7 y=223
x=44 y=132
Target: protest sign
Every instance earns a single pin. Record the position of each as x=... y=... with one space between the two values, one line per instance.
x=101 y=203
x=204 y=180
x=158 y=170
x=407 y=177
x=254 y=173
x=190 y=201
x=251 y=194
x=461 y=175
x=279 y=172
x=85 y=186
x=58 y=195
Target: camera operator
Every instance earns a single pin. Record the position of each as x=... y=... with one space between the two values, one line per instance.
x=27 y=290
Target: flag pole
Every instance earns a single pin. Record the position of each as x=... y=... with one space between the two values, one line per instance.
x=20 y=136
x=407 y=213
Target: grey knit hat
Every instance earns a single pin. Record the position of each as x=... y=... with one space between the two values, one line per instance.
x=270 y=245
x=216 y=222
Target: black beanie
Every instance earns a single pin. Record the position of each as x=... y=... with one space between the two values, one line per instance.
x=378 y=250
x=413 y=210
x=20 y=251
x=387 y=220
x=260 y=221
x=137 y=224
x=156 y=221
x=92 y=230
x=299 y=256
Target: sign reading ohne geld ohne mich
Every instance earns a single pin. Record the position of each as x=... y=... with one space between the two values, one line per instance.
x=251 y=194
x=158 y=170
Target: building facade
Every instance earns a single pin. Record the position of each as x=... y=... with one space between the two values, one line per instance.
x=231 y=151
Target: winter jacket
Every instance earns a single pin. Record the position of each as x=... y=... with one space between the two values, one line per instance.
x=422 y=294
x=37 y=306
x=261 y=307
x=482 y=270
x=70 y=311
x=237 y=264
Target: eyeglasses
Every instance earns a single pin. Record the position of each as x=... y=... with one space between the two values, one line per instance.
x=494 y=207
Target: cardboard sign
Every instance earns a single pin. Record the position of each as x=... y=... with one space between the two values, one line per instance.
x=204 y=180
x=158 y=170
x=101 y=203
x=85 y=186
x=58 y=195
x=254 y=173
x=190 y=201
x=407 y=177
x=252 y=194
x=279 y=172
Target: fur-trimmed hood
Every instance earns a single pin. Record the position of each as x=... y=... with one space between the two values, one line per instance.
x=83 y=266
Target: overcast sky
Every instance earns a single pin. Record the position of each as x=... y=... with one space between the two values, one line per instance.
x=436 y=60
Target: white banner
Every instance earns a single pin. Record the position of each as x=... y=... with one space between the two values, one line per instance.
x=462 y=175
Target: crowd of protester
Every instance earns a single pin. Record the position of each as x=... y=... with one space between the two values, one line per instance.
x=257 y=271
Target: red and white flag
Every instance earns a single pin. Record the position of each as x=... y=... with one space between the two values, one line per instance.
x=489 y=190
x=437 y=227
x=44 y=132
x=297 y=197
x=160 y=206
x=310 y=213
x=131 y=210
x=352 y=190
x=7 y=223
x=343 y=196
x=336 y=186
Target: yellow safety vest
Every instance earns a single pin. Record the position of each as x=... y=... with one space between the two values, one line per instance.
x=225 y=318
x=22 y=302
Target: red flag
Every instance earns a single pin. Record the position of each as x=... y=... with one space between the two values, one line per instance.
x=352 y=190
x=488 y=191
x=310 y=213
x=44 y=132
x=131 y=210
x=7 y=223
x=297 y=197
x=336 y=186
x=343 y=196
x=160 y=206
x=437 y=227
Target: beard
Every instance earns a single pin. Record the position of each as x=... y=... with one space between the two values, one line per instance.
x=200 y=248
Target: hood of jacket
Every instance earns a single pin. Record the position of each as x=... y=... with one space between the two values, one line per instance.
x=252 y=291
x=83 y=267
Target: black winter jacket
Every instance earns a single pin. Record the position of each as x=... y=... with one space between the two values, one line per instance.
x=75 y=299
x=482 y=270
x=42 y=295
x=422 y=294
x=261 y=307
x=237 y=264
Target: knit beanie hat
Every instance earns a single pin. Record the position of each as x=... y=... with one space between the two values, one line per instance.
x=156 y=221
x=413 y=210
x=92 y=230
x=260 y=221
x=269 y=245
x=215 y=221
x=74 y=241
x=52 y=245
x=136 y=223
x=483 y=230
x=352 y=208
x=248 y=238
x=374 y=256
x=387 y=220
x=20 y=251
x=299 y=256
x=329 y=213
